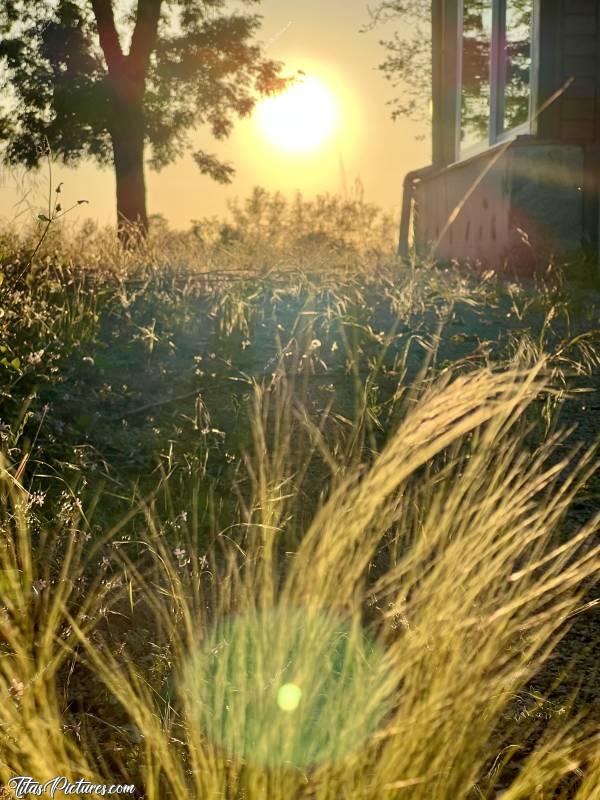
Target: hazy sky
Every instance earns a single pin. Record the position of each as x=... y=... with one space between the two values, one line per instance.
x=324 y=39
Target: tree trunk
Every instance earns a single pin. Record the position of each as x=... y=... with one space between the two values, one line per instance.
x=128 y=151
x=126 y=76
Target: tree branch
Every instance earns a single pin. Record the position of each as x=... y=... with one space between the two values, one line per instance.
x=145 y=34
x=107 y=33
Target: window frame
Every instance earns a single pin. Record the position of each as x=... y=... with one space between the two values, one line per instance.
x=496 y=133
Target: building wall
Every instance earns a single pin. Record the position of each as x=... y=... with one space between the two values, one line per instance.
x=520 y=205
x=541 y=196
x=570 y=49
x=463 y=211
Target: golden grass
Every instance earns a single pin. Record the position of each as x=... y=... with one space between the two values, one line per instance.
x=429 y=588
x=365 y=623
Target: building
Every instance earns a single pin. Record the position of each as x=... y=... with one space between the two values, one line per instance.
x=516 y=133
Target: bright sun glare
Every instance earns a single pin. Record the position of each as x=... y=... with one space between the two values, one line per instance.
x=300 y=119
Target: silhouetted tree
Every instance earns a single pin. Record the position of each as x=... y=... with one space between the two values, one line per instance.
x=105 y=79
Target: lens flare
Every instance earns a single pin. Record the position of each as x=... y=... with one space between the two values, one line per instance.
x=287 y=686
x=289 y=696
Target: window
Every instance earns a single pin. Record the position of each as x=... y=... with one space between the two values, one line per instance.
x=516 y=63
x=496 y=59
x=476 y=72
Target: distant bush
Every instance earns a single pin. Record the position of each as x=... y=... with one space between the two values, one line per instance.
x=265 y=232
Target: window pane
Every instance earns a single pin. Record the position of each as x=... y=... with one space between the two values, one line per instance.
x=476 y=47
x=517 y=62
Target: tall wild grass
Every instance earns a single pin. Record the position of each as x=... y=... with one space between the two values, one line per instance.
x=364 y=611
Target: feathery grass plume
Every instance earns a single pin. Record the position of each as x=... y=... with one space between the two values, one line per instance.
x=383 y=656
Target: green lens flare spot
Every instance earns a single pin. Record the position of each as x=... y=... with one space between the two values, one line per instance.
x=289 y=696
x=287 y=686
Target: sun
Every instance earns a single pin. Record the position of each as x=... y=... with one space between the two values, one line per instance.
x=302 y=118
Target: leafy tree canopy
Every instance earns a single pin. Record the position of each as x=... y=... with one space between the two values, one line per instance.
x=92 y=75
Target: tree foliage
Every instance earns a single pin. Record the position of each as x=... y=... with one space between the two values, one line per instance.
x=407 y=65
x=63 y=64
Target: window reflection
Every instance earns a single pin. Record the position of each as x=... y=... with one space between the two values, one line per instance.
x=476 y=47
x=517 y=62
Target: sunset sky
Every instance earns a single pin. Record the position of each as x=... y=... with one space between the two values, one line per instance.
x=324 y=40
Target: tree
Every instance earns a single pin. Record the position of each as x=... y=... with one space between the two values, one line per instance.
x=407 y=65
x=66 y=78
